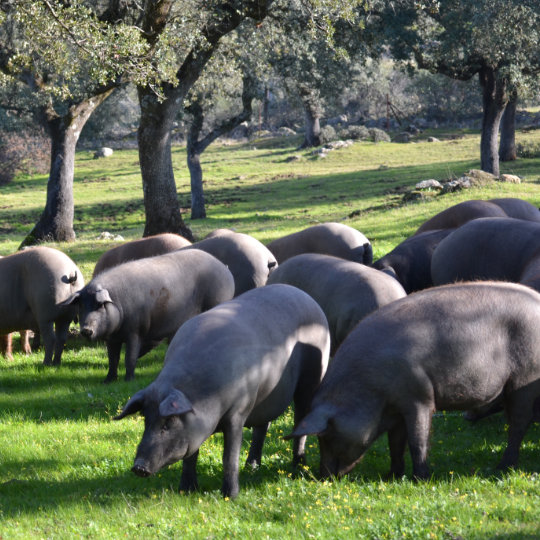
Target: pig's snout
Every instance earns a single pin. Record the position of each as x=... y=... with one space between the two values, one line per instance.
x=140 y=469
x=87 y=332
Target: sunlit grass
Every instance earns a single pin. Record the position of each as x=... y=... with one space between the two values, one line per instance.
x=65 y=462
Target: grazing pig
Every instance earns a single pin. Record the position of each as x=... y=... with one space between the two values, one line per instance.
x=239 y=364
x=410 y=261
x=490 y=248
x=139 y=249
x=33 y=287
x=249 y=261
x=461 y=213
x=328 y=238
x=518 y=208
x=454 y=347
x=141 y=302
x=346 y=291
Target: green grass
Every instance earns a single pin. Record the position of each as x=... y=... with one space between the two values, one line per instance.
x=65 y=463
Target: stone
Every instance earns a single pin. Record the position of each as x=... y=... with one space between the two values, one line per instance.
x=510 y=179
x=428 y=184
x=432 y=139
x=103 y=152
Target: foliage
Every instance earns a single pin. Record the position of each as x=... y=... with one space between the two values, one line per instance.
x=66 y=463
x=354 y=132
x=26 y=153
x=328 y=134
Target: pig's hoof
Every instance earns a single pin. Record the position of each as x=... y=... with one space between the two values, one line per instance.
x=109 y=379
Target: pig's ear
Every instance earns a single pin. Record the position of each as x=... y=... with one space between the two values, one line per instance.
x=134 y=405
x=103 y=296
x=313 y=424
x=73 y=299
x=174 y=404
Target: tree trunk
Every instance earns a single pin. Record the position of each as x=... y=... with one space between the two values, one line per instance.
x=312 y=117
x=159 y=189
x=198 y=210
x=194 y=151
x=266 y=108
x=56 y=221
x=494 y=102
x=507 y=145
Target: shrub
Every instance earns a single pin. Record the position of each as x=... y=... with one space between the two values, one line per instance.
x=23 y=153
x=354 y=132
x=528 y=149
x=328 y=134
x=379 y=135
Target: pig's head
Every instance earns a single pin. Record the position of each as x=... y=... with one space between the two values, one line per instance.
x=99 y=316
x=170 y=428
x=343 y=438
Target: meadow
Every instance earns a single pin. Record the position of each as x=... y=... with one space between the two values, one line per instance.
x=66 y=464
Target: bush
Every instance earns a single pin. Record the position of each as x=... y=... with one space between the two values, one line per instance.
x=23 y=153
x=328 y=134
x=354 y=132
x=379 y=135
x=528 y=149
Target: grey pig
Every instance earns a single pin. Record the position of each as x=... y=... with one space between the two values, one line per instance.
x=454 y=347
x=141 y=302
x=35 y=283
x=347 y=291
x=238 y=364
x=139 y=249
x=249 y=261
x=329 y=238
x=490 y=248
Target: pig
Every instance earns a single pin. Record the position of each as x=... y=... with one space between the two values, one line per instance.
x=346 y=291
x=6 y=344
x=461 y=213
x=34 y=284
x=249 y=261
x=454 y=347
x=518 y=208
x=238 y=364
x=328 y=238
x=139 y=249
x=410 y=261
x=490 y=248
x=142 y=302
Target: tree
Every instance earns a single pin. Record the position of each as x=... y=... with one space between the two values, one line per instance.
x=70 y=58
x=314 y=58
x=208 y=21
x=197 y=142
x=497 y=40
x=507 y=144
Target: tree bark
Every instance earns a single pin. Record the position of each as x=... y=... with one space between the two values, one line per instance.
x=494 y=101
x=56 y=221
x=312 y=117
x=198 y=210
x=507 y=144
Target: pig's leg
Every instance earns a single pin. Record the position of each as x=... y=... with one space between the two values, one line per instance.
x=6 y=346
x=113 y=352
x=232 y=442
x=257 y=441
x=25 y=342
x=418 y=421
x=188 y=480
x=133 y=346
x=62 y=329
x=520 y=412
x=397 y=441
x=46 y=330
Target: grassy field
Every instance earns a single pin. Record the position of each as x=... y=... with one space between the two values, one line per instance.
x=65 y=463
